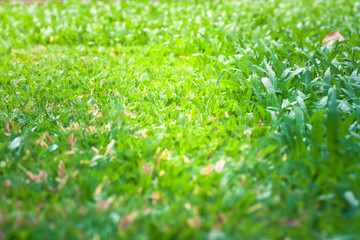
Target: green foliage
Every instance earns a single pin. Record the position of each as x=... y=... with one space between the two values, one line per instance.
x=117 y=117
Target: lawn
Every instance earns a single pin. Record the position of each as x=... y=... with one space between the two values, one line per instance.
x=180 y=120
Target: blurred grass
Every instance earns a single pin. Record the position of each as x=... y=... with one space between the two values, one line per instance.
x=180 y=87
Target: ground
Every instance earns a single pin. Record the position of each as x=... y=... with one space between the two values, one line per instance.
x=180 y=120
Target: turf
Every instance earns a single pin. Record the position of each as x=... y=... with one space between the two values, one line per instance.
x=179 y=120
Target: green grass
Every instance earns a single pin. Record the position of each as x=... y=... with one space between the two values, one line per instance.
x=181 y=87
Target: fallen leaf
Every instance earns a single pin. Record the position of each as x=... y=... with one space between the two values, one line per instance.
x=108 y=126
x=211 y=118
x=284 y=157
x=62 y=128
x=79 y=97
x=118 y=118
x=155 y=197
x=127 y=221
x=221 y=219
x=194 y=222
x=207 y=170
x=7 y=183
x=92 y=129
x=185 y=57
x=62 y=181
x=220 y=165
x=72 y=140
x=138 y=91
x=147 y=211
x=47 y=136
x=36 y=178
x=17 y=82
x=75 y=173
x=74 y=126
x=84 y=162
x=191 y=96
x=133 y=116
x=164 y=155
x=147 y=169
x=104 y=204
x=99 y=115
x=9 y=127
x=98 y=189
x=61 y=169
x=334 y=35
x=109 y=147
x=96 y=151
x=41 y=143
x=82 y=210
x=245 y=146
x=243 y=181
x=165 y=228
x=71 y=152
x=291 y=223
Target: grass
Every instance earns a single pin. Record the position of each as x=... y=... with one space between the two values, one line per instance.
x=179 y=120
